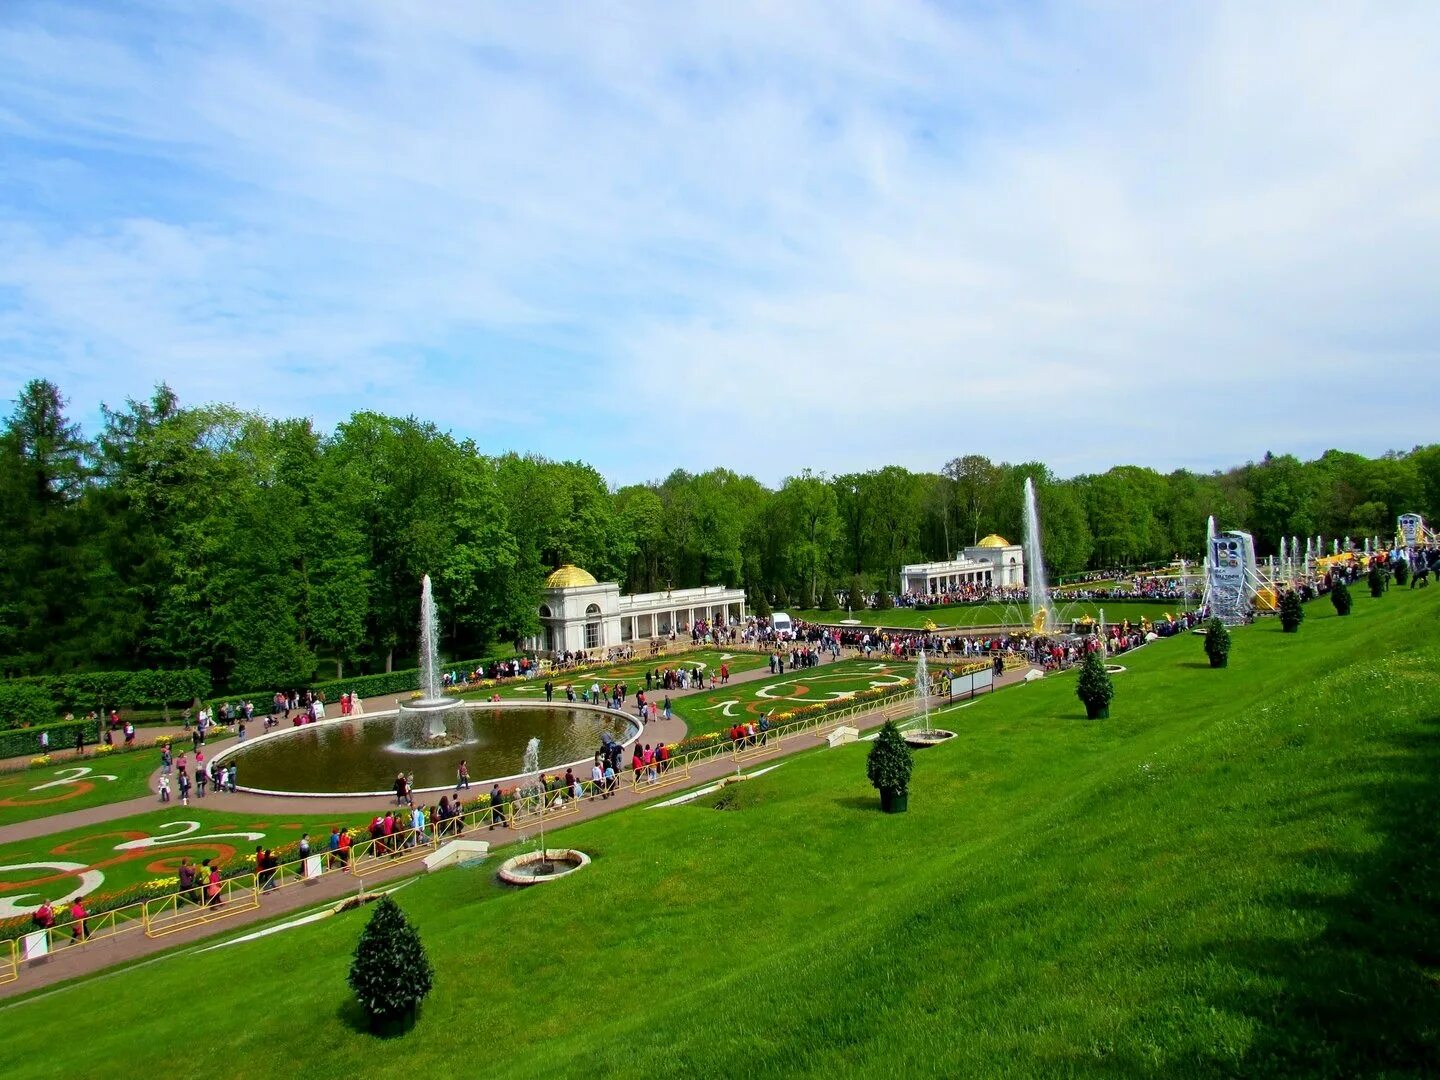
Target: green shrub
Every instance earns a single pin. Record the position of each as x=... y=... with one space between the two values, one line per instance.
x=62 y=737
x=889 y=763
x=99 y=691
x=1376 y=580
x=390 y=973
x=1292 y=612
x=1340 y=597
x=857 y=594
x=1217 y=643
x=882 y=600
x=759 y=606
x=1402 y=572
x=23 y=704
x=1095 y=688
x=827 y=599
x=367 y=686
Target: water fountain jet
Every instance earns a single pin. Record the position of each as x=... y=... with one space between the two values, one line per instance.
x=1041 y=616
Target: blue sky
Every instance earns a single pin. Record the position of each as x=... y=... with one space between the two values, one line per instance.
x=765 y=236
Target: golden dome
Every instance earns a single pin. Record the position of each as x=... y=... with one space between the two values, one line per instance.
x=569 y=576
x=994 y=540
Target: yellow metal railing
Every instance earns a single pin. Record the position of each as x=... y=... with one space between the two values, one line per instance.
x=402 y=846
x=72 y=933
x=202 y=905
x=10 y=962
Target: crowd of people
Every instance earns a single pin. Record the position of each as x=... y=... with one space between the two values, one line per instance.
x=212 y=775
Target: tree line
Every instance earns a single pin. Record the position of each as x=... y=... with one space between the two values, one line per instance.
x=259 y=549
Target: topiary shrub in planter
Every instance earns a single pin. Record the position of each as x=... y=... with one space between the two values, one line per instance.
x=1095 y=688
x=888 y=768
x=1217 y=643
x=1376 y=580
x=1340 y=597
x=1402 y=572
x=390 y=973
x=1292 y=612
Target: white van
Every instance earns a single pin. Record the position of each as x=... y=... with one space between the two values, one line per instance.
x=782 y=624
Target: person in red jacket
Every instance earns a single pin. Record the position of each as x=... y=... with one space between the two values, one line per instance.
x=79 y=931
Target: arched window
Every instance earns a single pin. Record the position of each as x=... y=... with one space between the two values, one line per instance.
x=592 y=627
x=545 y=611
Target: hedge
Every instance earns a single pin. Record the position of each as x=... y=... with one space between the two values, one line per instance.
x=367 y=686
x=62 y=737
x=23 y=704
x=86 y=690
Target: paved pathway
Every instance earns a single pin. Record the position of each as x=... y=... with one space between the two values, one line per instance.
x=332 y=887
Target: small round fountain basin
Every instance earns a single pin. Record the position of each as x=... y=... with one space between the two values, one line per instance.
x=536 y=868
x=919 y=740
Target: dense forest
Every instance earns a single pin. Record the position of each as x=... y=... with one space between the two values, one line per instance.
x=258 y=549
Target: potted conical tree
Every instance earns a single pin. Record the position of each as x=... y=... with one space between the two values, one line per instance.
x=1217 y=643
x=1376 y=580
x=1095 y=688
x=1340 y=597
x=390 y=973
x=888 y=768
x=1292 y=612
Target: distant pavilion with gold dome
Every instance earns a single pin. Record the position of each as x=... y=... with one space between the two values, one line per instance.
x=992 y=563
x=580 y=614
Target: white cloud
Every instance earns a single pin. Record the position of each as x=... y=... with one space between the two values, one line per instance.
x=784 y=236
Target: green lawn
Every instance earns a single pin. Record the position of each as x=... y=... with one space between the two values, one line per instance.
x=1236 y=875
x=631 y=672
x=136 y=849
x=962 y=616
x=718 y=709
x=57 y=789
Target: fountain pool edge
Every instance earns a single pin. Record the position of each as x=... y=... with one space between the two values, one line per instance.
x=637 y=729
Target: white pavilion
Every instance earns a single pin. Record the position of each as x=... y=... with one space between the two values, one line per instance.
x=578 y=613
x=992 y=563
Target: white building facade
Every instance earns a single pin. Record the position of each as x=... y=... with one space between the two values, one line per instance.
x=992 y=563
x=580 y=614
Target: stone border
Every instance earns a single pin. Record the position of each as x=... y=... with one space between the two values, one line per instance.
x=578 y=859
x=236 y=749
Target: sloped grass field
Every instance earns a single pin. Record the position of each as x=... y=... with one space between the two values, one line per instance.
x=1235 y=875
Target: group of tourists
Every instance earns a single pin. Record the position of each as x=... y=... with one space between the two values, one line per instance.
x=220 y=777
x=749 y=733
x=803 y=656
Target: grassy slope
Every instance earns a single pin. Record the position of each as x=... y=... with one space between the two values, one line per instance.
x=963 y=615
x=1235 y=875
x=131 y=771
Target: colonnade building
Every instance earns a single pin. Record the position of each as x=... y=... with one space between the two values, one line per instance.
x=580 y=614
x=992 y=563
